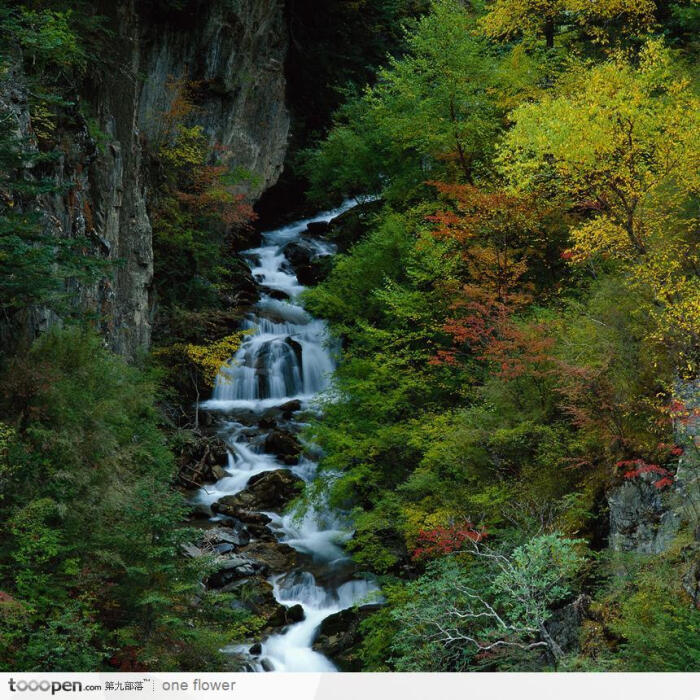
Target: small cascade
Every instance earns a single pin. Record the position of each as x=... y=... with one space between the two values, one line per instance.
x=286 y=357
x=292 y=650
x=280 y=360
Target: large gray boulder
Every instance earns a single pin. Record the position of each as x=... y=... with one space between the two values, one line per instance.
x=639 y=519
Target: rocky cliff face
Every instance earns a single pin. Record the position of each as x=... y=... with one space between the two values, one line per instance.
x=640 y=519
x=234 y=50
x=234 y=55
x=644 y=518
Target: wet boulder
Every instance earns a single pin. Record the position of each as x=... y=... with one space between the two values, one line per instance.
x=284 y=446
x=290 y=407
x=272 y=415
x=296 y=348
x=274 y=490
x=257 y=596
x=256 y=524
x=310 y=267
x=276 y=556
x=295 y=614
x=267 y=491
x=318 y=228
x=227 y=506
x=224 y=548
x=260 y=600
x=267 y=423
x=299 y=252
x=233 y=569
x=340 y=636
x=191 y=551
x=234 y=535
x=274 y=293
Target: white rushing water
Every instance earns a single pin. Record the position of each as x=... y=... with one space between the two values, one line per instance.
x=291 y=650
x=286 y=357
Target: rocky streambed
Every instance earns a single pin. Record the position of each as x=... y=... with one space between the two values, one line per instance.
x=288 y=565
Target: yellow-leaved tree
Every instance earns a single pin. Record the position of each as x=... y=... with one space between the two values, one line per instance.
x=617 y=143
x=537 y=19
x=201 y=363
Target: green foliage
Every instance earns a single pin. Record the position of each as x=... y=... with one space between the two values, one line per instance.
x=350 y=292
x=433 y=113
x=90 y=543
x=46 y=37
x=186 y=255
x=517 y=315
x=57 y=40
x=659 y=626
x=603 y=345
x=67 y=641
x=643 y=618
x=463 y=614
x=538 y=574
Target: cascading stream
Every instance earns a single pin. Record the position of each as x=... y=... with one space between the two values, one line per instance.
x=286 y=357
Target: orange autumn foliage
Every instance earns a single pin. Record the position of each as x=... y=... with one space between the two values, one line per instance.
x=210 y=195
x=493 y=234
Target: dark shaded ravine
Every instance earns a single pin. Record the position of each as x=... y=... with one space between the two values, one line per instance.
x=270 y=386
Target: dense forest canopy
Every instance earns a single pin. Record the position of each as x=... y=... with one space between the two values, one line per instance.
x=518 y=321
x=518 y=302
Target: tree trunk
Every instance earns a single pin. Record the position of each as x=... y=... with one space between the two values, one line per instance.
x=196 y=404
x=549 y=33
x=556 y=652
x=466 y=166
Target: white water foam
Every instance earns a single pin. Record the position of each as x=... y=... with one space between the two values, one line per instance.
x=287 y=356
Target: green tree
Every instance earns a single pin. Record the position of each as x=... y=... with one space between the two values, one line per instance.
x=434 y=112
x=90 y=547
x=500 y=601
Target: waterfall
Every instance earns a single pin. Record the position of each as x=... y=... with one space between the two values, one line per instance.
x=286 y=356
x=291 y=650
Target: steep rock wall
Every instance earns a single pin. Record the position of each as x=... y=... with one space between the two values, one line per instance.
x=646 y=519
x=234 y=53
x=117 y=192
x=236 y=49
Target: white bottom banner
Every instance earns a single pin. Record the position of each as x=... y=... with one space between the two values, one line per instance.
x=347 y=686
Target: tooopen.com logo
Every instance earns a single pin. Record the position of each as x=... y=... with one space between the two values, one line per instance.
x=52 y=687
